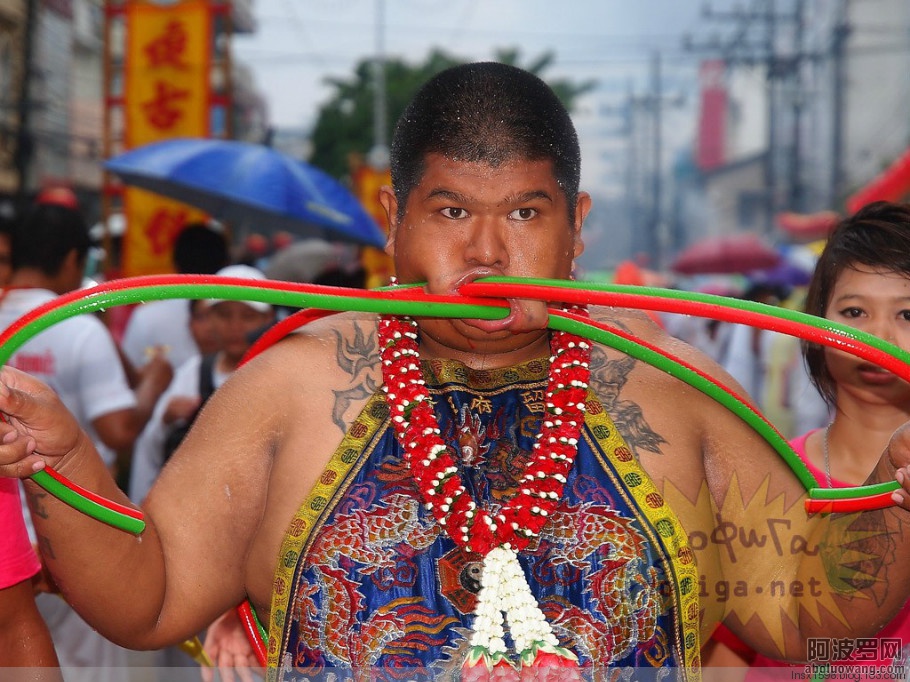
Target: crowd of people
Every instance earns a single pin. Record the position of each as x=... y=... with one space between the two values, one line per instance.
x=767 y=365
x=453 y=497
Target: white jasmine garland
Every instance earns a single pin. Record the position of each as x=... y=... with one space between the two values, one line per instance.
x=505 y=596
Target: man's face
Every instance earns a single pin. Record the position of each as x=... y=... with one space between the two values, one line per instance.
x=464 y=221
x=233 y=322
x=202 y=328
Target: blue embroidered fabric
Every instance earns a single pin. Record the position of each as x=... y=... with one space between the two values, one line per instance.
x=379 y=586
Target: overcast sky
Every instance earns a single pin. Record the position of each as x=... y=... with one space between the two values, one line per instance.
x=300 y=43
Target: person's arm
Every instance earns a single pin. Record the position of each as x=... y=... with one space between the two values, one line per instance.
x=183 y=571
x=24 y=637
x=119 y=429
x=132 y=374
x=776 y=576
x=229 y=647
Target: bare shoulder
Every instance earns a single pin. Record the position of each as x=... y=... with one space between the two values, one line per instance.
x=334 y=355
x=669 y=424
x=644 y=328
x=650 y=350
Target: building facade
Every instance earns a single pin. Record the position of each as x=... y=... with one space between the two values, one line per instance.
x=52 y=122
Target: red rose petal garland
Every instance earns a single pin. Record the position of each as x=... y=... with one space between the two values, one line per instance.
x=497 y=538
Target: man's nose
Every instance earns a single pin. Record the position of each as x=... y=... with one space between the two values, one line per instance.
x=486 y=245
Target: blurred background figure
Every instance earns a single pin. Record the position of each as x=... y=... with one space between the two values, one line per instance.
x=201 y=327
x=745 y=354
x=770 y=367
x=77 y=357
x=253 y=250
x=233 y=326
x=164 y=326
x=709 y=336
x=281 y=240
x=788 y=398
x=314 y=261
x=80 y=361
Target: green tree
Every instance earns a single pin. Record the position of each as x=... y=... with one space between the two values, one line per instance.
x=344 y=126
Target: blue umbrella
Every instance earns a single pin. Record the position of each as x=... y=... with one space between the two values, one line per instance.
x=249 y=185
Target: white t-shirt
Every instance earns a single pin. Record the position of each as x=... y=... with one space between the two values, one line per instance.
x=76 y=357
x=148 y=454
x=160 y=324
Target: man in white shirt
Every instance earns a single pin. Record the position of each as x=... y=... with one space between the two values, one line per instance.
x=163 y=326
x=233 y=324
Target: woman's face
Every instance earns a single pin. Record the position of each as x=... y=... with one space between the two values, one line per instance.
x=877 y=302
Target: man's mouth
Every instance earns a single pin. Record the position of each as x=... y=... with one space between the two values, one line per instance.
x=495 y=325
x=491 y=326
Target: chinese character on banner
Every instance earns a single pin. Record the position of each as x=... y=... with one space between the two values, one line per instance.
x=366 y=182
x=166 y=95
x=164 y=111
x=169 y=47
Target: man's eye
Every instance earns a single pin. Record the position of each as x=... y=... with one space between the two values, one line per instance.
x=523 y=213
x=454 y=213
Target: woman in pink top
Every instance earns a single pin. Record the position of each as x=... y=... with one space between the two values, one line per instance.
x=862 y=279
x=24 y=638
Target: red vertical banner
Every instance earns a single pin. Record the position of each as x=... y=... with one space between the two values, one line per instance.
x=712 y=119
x=166 y=95
x=366 y=182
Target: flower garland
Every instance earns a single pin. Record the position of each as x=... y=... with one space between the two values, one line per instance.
x=504 y=588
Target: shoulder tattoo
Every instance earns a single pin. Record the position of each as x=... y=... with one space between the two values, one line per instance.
x=609 y=375
x=357 y=356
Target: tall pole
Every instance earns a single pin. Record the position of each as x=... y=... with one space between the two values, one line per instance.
x=771 y=161
x=379 y=153
x=631 y=178
x=796 y=181
x=107 y=71
x=841 y=31
x=24 y=139
x=656 y=188
x=227 y=65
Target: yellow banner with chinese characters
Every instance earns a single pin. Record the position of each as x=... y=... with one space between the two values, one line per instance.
x=166 y=95
x=366 y=182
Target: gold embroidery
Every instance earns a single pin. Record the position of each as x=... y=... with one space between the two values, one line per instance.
x=663 y=527
x=482 y=405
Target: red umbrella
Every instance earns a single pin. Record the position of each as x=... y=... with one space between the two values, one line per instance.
x=730 y=253
x=808 y=225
